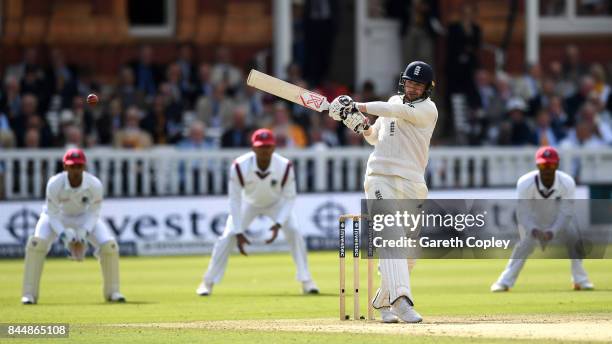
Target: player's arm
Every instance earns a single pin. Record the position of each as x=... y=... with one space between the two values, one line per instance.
x=420 y=114
x=236 y=184
x=52 y=205
x=93 y=214
x=566 y=210
x=235 y=197
x=287 y=201
x=289 y=192
x=525 y=208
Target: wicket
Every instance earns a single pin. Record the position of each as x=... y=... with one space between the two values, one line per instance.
x=356 y=251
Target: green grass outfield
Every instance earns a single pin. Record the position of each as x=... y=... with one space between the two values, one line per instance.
x=262 y=287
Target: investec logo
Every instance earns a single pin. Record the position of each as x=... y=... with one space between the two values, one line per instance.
x=312 y=100
x=417 y=70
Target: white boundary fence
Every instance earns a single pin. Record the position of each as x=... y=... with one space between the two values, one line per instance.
x=166 y=171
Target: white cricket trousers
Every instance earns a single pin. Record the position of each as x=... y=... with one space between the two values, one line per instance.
x=526 y=246
x=98 y=236
x=228 y=242
x=395 y=273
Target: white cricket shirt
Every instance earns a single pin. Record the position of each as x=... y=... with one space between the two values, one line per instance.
x=541 y=208
x=64 y=201
x=261 y=189
x=401 y=137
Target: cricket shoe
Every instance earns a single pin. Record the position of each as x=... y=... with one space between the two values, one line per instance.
x=499 y=288
x=405 y=312
x=204 y=289
x=310 y=287
x=116 y=297
x=584 y=286
x=387 y=316
x=28 y=300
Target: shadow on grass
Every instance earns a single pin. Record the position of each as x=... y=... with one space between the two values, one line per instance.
x=101 y=303
x=568 y=291
x=250 y=296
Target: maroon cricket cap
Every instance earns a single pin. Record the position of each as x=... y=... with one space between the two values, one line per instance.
x=263 y=137
x=74 y=156
x=546 y=155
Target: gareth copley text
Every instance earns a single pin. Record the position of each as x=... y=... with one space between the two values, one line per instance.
x=427 y=242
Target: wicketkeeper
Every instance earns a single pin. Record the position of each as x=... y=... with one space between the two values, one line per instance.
x=72 y=212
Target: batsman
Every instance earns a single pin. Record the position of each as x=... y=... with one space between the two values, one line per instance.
x=72 y=212
x=396 y=167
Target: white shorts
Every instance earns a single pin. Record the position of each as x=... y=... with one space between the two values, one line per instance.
x=379 y=186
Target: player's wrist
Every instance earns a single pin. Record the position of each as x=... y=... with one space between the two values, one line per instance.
x=361 y=107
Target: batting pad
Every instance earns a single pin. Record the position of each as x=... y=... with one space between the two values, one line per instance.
x=36 y=251
x=109 y=262
x=396 y=278
x=382 y=298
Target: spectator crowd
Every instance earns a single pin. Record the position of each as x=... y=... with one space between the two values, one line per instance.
x=187 y=103
x=559 y=103
x=196 y=104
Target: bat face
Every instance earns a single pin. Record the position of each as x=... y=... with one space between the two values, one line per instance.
x=287 y=91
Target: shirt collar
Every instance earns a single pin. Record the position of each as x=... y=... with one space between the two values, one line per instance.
x=545 y=192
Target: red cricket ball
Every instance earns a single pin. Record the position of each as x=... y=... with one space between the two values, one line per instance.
x=92 y=99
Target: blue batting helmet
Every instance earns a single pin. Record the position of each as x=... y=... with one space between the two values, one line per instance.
x=421 y=72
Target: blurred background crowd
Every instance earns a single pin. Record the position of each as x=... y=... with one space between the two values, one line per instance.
x=559 y=103
x=188 y=103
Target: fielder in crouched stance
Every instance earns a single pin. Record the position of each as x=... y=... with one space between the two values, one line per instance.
x=72 y=211
x=545 y=212
x=261 y=183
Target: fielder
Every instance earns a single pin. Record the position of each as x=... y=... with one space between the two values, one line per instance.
x=396 y=167
x=72 y=211
x=261 y=183
x=541 y=221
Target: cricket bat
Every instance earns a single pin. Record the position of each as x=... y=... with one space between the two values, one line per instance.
x=288 y=91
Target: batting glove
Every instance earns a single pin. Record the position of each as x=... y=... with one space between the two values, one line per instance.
x=341 y=107
x=357 y=122
x=75 y=243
